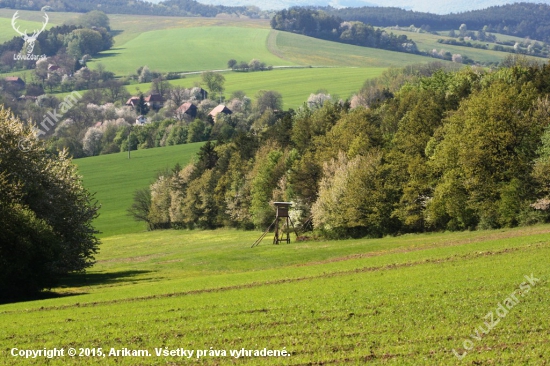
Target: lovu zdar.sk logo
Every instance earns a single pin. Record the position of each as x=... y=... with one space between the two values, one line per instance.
x=29 y=39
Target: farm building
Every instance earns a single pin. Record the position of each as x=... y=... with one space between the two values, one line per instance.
x=154 y=101
x=203 y=94
x=187 y=109
x=219 y=109
x=132 y=102
x=15 y=80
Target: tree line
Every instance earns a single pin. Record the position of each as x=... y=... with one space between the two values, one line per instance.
x=319 y=24
x=418 y=149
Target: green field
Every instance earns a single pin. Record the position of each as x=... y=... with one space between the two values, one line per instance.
x=406 y=300
x=114 y=178
x=294 y=84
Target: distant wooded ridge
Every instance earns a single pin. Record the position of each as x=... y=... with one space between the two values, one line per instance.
x=136 y=7
x=520 y=19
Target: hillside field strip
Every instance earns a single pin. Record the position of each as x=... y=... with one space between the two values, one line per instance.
x=210 y=47
x=414 y=299
x=114 y=178
x=426 y=42
x=190 y=49
x=295 y=85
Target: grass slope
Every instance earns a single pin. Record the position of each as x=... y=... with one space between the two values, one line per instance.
x=128 y=27
x=114 y=178
x=190 y=49
x=406 y=300
x=305 y=50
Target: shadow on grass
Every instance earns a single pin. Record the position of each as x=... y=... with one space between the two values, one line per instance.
x=116 y=32
x=43 y=295
x=107 y=55
x=79 y=280
x=94 y=279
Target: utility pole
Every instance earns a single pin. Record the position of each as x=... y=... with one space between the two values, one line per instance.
x=128 y=146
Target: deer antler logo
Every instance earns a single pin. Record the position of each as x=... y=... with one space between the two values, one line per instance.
x=32 y=38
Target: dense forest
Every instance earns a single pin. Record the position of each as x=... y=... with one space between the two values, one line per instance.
x=417 y=149
x=519 y=19
x=166 y=8
x=319 y=24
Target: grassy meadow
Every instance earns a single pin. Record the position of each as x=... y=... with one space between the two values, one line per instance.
x=405 y=300
x=114 y=178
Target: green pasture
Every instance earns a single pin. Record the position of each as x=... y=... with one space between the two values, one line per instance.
x=403 y=300
x=114 y=178
x=295 y=85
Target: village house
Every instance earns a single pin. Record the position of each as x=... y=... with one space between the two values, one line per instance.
x=141 y=120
